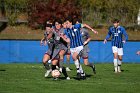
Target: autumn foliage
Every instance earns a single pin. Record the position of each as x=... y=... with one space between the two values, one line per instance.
x=40 y=11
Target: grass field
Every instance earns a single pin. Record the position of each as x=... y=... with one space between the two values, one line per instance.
x=29 y=78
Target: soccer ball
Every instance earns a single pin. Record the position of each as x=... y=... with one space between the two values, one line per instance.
x=56 y=73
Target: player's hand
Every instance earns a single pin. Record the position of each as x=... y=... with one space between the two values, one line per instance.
x=105 y=41
x=85 y=42
x=124 y=41
x=138 y=53
x=41 y=43
x=94 y=31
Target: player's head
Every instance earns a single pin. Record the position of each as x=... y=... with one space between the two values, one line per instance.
x=77 y=21
x=64 y=24
x=58 y=23
x=116 y=23
x=48 y=27
x=68 y=22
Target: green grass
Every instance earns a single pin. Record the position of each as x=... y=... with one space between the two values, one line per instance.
x=29 y=78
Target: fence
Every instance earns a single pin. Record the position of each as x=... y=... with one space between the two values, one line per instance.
x=26 y=51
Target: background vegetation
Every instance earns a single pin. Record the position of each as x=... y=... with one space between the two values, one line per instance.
x=96 y=13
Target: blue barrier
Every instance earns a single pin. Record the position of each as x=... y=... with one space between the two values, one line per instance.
x=20 y=51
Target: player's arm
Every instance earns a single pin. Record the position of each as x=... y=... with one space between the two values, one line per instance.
x=108 y=36
x=87 y=41
x=89 y=27
x=64 y=37
x=125 y=35
x=88 y=37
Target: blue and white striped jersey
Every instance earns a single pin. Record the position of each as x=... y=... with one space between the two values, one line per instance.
x=74 y=35
x=117 y=36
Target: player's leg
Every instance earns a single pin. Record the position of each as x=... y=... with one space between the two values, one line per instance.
x=115 y=52
x=120 y=54
x=61 y=54
x=68 y=62
x=46 y=64
x=89 y=65
x=84 y=55
x=75 y=55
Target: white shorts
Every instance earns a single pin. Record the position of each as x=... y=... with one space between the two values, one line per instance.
x=117 y=50
x=77 y=49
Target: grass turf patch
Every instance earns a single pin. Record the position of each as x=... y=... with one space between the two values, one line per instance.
x=29 y=78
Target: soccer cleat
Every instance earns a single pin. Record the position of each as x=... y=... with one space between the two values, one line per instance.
x=78 y=76
x=94 y=69
x=83 y=77
x=68 y=69
x=68 y=78
x=47 y=73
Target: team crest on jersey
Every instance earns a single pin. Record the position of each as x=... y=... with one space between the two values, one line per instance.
x=119 y=31
x=75 y=30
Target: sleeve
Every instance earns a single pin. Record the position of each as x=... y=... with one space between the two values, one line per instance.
x=124 y=33
x=109 y=34
x=86 y=33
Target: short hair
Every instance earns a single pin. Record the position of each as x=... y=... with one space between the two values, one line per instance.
x=77 y=20
x=69 y=19
x=58 y=20
x=49 y=25
x=116 y=21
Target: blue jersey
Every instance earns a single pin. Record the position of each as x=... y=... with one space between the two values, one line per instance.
x=117 y=36
x=74 y=35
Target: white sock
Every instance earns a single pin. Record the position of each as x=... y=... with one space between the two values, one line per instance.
x=115 y=65
x=77 y=64
x=81 y=69
x=119 y=65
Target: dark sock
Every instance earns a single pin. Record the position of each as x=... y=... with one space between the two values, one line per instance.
x=53 y=67
x=64 y=72
x=46 y=65
x=90 y=65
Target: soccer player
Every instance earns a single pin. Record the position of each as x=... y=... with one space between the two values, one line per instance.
x=60 y=48
x=117 y=41
x=84 y=53
x=48 y=39
x=76 y=45
x=68 y=50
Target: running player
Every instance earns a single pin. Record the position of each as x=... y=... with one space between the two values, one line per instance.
x=84 y=53
x=60 y=48
x=76 y=45
x=117 y=33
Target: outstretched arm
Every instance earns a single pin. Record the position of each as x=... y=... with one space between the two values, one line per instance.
x=87 y=26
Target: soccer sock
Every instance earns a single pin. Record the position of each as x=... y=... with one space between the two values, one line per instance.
x=68 y=63
x=81 y=71
x=91 y=65
x=53 y=67
x=61 y=63
x=46 y=65
x=64 y=72
x=77 y=64
x=119 y=65
x=115 y=65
